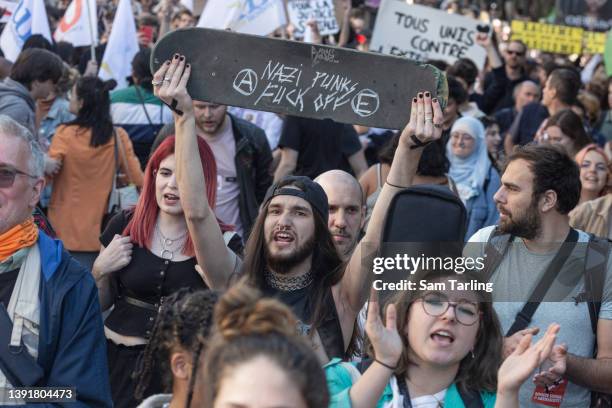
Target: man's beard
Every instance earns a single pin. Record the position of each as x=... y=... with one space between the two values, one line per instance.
x=282 y=264
x=527 y=226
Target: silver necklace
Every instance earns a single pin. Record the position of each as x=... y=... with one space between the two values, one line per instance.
x=166 y=243
x=286 y=283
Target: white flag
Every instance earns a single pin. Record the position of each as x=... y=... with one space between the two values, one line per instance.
x=188 y=4
x=29 y=17
x=9 y=8
x=244 y=16
x=79 y=24
x=121 y=47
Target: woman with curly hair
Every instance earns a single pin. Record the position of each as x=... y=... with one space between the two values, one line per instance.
x=177 y=349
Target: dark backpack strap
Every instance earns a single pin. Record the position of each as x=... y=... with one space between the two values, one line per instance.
x=495 y=249
x=470 y=398
x=364 y=364
x=598 y=251
x=523 y=318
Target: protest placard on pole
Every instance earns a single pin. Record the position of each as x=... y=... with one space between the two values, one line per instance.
x=322 y=11
x=29 y=17
x=548 y=37
x=244 y=16
x=421 y=33
x=7 y=7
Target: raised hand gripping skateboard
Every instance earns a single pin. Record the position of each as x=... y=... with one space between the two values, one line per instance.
x=294 y=78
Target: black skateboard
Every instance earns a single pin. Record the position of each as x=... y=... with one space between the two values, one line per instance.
x=295 y=78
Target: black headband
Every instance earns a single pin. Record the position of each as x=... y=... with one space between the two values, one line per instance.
x=304 y=188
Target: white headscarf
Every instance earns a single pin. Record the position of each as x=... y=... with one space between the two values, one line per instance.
x=469 y=173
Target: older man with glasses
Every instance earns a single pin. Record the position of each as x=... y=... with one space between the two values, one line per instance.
x=51 y=331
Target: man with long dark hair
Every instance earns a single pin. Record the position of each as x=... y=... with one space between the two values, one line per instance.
x=290 y=253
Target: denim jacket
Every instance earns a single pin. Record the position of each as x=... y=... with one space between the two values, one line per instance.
x=57 y=115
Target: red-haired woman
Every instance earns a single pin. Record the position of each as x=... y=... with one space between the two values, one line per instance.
x=148 y=253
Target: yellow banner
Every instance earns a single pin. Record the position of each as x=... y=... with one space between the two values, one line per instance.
x=594 y=43
x=548 y=37
x=557 y=38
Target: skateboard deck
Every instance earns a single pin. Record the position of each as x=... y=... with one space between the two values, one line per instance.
x=295 y=78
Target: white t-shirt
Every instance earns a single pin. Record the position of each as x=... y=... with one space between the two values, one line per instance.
x=429 y=401
x=223 y=147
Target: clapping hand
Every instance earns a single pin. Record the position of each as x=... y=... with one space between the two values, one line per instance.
x=519 y=365
x=170 y=85
x=385 y=339
x=557 y=363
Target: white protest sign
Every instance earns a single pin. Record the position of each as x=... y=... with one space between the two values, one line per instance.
x=300 y=11
x=421 y=33
x=7 y=8
x=258 y=17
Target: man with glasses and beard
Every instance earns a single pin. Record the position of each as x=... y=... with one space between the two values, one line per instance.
x=51 y=332
x=540 y=185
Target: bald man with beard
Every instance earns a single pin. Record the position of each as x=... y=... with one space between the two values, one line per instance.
x=347 y=209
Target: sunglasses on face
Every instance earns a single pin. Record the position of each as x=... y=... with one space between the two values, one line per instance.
x=436 y=304
x=517 y=53
x=8 y=174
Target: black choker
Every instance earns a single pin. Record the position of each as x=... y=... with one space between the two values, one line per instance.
x=288 y=283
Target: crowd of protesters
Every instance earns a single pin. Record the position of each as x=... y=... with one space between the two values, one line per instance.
x=241 y=273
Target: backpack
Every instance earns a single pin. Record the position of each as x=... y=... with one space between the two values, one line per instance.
x=425 y=213
x=598 y=251
x=423 y=220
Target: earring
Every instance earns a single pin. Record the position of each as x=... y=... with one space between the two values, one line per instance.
x=472 y=351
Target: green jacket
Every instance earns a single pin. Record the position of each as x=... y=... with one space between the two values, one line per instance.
x=340 y=381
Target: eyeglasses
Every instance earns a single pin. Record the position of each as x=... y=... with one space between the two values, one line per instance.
x=436 y=304
x=7 y=176
x=517 y=53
